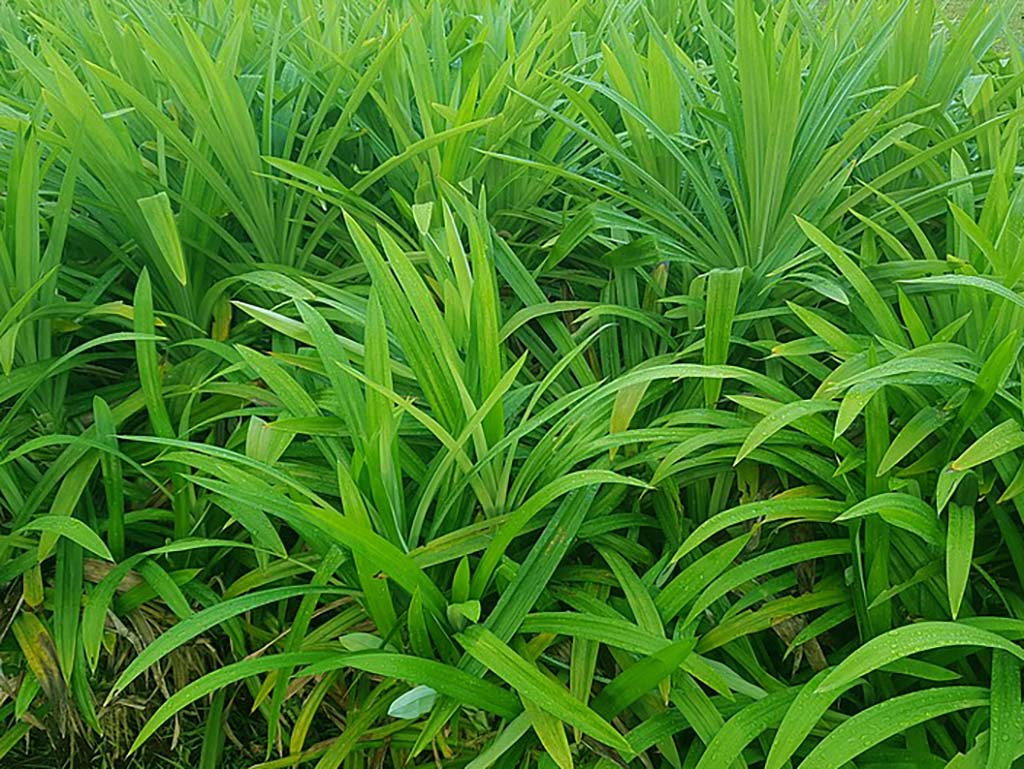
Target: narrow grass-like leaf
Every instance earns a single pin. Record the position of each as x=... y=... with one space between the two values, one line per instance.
x=72 y=529
x=959 y=554
x=556 y=700
x=1001 y=439
x=876 y=724
x=156 y=209
x=911 y=639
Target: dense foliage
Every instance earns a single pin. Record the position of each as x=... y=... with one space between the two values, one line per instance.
x=511 y=384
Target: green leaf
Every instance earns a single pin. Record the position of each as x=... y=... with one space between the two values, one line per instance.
x=218 y=679
x=502 y=743
x=923 y=424
x=70 y=528
x=959 y=554
x=894 y=716
x=488 y=649
x=453 y=683
x=802 y=715
x=739 y=731
x=461 y=613
x=902 y=510
x=785 y=415
x=1004 y=711
x=157 y=212
x=201 y=621
x=1001 y=439
x=146 y=356
x=911 y=639
x=723 y=288
x=972 y=281
x=881 y=313
x=641 y=678
x=551 y=733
